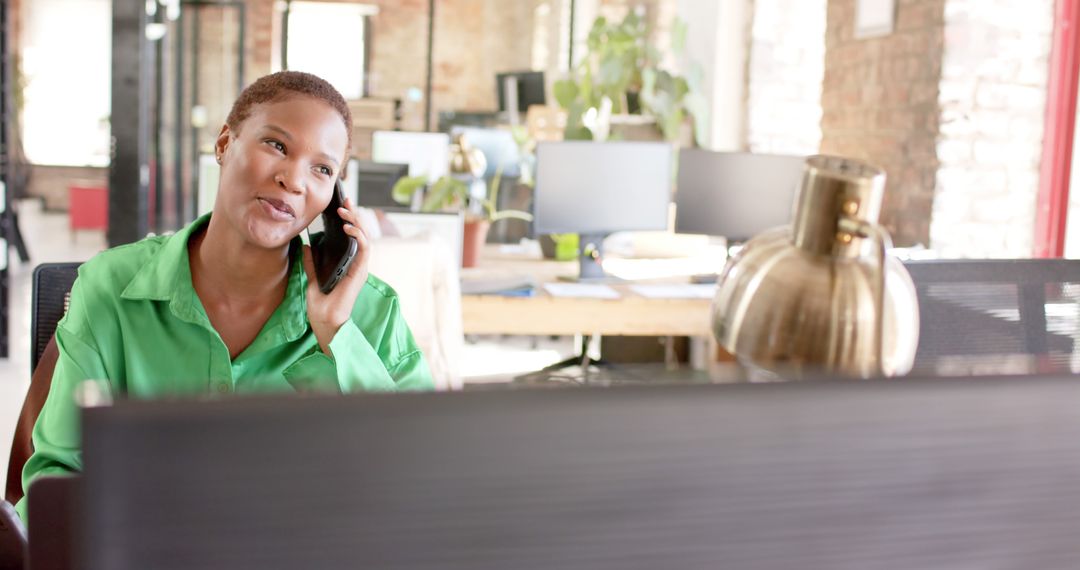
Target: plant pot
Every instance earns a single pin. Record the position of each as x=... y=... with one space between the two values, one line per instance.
x=476 y=232
x=634 y=128
x=645 y=128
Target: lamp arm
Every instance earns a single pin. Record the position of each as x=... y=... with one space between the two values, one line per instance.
x=880 y=235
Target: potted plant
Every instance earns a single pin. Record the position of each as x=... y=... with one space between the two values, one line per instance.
x=620 y=82
x=450 y=193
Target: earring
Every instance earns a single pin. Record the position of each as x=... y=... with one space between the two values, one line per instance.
x=218 y=157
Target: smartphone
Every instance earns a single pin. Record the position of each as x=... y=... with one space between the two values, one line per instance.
x=332 y=249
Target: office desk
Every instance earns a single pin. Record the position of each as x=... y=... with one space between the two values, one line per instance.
x=630 y=315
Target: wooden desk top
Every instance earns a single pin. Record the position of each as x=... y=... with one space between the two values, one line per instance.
x=542 y=313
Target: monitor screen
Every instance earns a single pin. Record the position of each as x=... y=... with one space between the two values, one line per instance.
x=483 y=119
x=602 y=187
x=530 y=88
x=374 y=183
x=427 y=154
x=734 y=194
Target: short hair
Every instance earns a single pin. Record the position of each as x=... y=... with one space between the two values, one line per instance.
x=282 y=85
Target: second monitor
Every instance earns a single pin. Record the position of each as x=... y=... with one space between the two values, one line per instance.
x=529 y=86
x=595 y=188
x=374 y=183
x=736 y=195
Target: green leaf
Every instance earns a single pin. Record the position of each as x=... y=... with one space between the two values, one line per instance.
x=493 y=190
x=679 y=88
x=621 y=40
x=596 y=34
x=577 y=133
x=516 y=214
x=574 y=115
x=648 y=85
x=566 y=91
x=699 y=111
x=405 y=187
x=611 y=72
x=678 y=36
x=488 y=206
x=521 y=136
x=443 y=194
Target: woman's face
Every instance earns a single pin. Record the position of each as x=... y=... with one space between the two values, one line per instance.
x=278 y=169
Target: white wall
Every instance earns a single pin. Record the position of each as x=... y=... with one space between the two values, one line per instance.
x=993 y=102
x=787 y=65
x=717 y=38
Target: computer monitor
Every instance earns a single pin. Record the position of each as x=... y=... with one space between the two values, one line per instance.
x=596 y=188
x=427 y=154
x=483 y=119
x=529 y=85
x=375 y=181
x=736 y=195
x=885 y=474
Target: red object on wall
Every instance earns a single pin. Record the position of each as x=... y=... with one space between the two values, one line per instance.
x=1052 y=206
x=88 y=207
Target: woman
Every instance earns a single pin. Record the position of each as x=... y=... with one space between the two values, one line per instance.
x=230 y=303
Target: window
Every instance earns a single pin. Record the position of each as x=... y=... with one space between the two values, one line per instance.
x=67 y=96
x=330 y=40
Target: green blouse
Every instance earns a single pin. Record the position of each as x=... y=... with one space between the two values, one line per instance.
x=136 y=322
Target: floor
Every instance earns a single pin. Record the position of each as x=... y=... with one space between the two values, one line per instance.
x=486 y=359
x=48 y=239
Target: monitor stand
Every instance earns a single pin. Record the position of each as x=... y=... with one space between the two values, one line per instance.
x=513 y=102
x=590 y=259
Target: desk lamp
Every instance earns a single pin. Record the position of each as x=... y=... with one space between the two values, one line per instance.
x=822 y=295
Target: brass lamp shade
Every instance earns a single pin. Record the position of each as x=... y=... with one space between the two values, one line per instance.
x=822 y=295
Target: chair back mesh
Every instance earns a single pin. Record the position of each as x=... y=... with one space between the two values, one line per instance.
x=51 y=294
x=997 y=316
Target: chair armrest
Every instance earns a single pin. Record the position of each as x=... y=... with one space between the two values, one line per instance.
x=22 y=445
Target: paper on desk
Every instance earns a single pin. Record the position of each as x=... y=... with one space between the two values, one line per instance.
x=675 y=290
x=588 y=290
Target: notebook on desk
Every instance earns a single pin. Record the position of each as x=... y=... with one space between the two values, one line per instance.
x=675 y=290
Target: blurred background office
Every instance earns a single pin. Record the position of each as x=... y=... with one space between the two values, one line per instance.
x=111 y=108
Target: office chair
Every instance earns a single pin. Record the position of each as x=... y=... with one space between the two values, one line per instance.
x=51 y=288
x=997 y=307
x=13 y=543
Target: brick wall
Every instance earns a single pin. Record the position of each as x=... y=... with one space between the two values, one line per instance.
x=398 y=59
x=259 y=40
x=787 y=63
x=992 y=98
x=474 y=39
x=880 y=104
x=217 y=52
